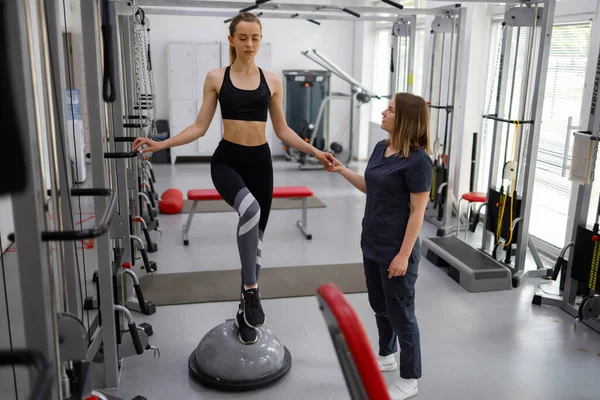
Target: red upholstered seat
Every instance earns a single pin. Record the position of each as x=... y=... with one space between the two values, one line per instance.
x=358 y=345
x=203 y=194
x=292 y=191
x=278 y=192
x=475 y=197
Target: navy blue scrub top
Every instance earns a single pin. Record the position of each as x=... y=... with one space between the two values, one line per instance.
x=390 y=181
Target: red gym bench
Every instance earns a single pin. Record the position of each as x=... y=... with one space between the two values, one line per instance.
x=352 y=346
x=288 y=192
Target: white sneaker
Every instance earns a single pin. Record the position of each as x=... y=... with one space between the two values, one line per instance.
x=403 y=389
x=387 y=363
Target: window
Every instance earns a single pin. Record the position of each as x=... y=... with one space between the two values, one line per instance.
x=419 y=54
x=381 y=68
x=381 y=71
x=485 y=142
x=565 y=83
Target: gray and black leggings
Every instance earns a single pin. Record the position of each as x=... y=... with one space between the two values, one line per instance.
x=243 y=176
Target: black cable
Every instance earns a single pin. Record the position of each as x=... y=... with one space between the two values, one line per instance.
x=8 y=311
x=61 y=133
x=108 y=86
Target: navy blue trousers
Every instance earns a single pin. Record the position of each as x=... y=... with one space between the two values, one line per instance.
x=393 y=301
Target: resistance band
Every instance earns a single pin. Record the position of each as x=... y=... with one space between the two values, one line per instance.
x=594 y=270
x=511 y=191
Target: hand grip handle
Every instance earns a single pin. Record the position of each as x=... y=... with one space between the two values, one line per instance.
x=97 y=230
x=137 y=343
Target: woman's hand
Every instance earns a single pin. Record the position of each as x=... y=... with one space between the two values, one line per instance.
x=398 y=266
x=326 y=159
x=152 y=145
x=337 y=165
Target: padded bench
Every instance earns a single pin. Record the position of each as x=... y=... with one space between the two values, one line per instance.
x=281 y=192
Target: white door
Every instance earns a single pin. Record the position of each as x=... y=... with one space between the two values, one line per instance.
x=183 y=113
x=207 y=58
x=181 y=75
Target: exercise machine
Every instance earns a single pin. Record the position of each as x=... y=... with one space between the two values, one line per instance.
x=499 y=263
x=358 y=96
x=50 y=268
x=579 y=269
x=304 y=94
x=133 y=172
x=442 y=95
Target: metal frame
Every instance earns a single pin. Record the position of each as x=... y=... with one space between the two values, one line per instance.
x=531 y=148
x=99 y=127
x=39 y=325
x=276 y=10
x=447 y=83
x=49 y=281
x=568 y=300
x=356 y=87
x=404 y=31
x=301 y=224
x=534 y=82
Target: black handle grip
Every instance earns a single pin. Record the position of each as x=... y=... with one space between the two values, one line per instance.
x=447 y=108
x=147 y=236
x=149 y=57
x=249 y=8
x=259 y=2
x=494 y=117
x=142 y=108
x=137 y=343
x=43 y=383
x=150 y=206
x=560 y=262
x=146 y=96
x=135 y=117
x=354 y=13
x=125 y=139
x=108 y=88
x=132 y=125
x=147 y=265
x=131 y=154
x=393 y=4
x=96 y=230
x=140 y=295
x=152 y=175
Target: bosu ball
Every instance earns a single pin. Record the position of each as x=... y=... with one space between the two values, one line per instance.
x=221 y=361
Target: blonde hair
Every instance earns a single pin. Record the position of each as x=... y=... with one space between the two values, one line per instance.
x=411 y=125
x=245 y=17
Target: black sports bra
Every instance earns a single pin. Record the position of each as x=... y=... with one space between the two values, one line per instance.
x=244 y=105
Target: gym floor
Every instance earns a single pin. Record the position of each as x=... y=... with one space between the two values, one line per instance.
x=494 y=345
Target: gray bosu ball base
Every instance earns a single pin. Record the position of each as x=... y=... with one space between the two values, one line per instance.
x=221 y=361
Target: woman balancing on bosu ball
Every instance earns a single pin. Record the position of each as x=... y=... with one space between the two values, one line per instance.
x=397 y=183
x=241 y=166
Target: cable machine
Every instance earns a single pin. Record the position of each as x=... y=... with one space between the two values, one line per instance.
x=500 y=262
x=63 y=337
x=402 y=66
x=441 y=93
x=579 y=269
x=358 y=96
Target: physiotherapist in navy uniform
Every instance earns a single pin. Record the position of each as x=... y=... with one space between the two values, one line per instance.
x=397 y=183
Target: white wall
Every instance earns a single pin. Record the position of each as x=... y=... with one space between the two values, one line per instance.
x=287 y=38
x=364 y=64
